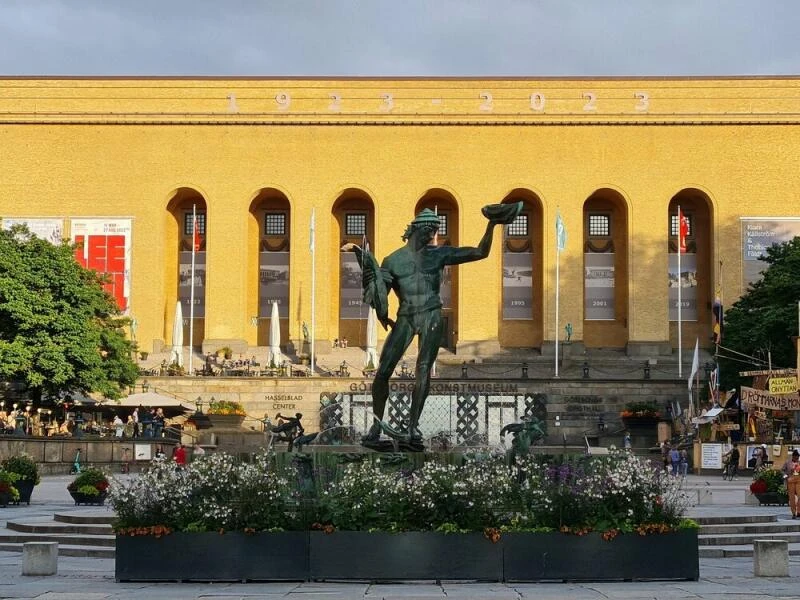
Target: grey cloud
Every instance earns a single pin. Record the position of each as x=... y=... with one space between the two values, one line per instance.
x=410 y=37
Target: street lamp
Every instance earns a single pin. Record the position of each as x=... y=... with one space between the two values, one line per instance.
x=199 y=404
x=464 y=374
x=524 y=370
x=647 y=369
x=586 y=369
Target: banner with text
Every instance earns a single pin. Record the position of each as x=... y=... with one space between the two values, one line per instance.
x=688 y=284
x=598 y=286
x=105 y=246
x=51 y=230
x=753 y=399
x=517 y=285
x=350 y=304
x=757 y=236
x=185 y=283
x=273 y=283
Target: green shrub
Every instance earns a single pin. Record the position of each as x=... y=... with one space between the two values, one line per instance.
x=90 y=477
x=24 y=466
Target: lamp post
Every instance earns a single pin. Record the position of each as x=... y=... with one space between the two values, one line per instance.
x=647 y=369
x=524 y=370
x=464 y=374
x=199 y=404
x=586 y=369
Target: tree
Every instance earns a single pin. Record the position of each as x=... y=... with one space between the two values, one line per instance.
x=60 y=331
x=763 y=320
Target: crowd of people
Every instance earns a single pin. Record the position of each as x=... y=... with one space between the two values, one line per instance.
x=143 y=422
x=676 y=460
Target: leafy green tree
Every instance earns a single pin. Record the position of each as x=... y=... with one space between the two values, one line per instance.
x=763 y=320
x=60 y=332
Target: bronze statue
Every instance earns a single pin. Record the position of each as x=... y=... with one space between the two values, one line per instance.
x=414 y=272
x=289 y=431
x=526 y=433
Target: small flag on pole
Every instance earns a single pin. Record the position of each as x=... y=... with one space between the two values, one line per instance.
x=683 y=231
x=695 y=362
x=716 y=310
x=561 y=233
x=195 y=234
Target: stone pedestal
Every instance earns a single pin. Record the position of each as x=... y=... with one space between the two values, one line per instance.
x=771 y=558
x=39 y=558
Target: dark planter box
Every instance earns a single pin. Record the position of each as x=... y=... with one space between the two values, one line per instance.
x=358 y=555
x=771 y=499
x=79 y=498
x=565 y=557
x=383 y=556
x=213 y=557
x=25 y=489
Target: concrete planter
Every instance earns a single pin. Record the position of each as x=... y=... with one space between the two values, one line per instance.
x=565 y=557
x=380 y=556
x=411 y=555
x=211 y=556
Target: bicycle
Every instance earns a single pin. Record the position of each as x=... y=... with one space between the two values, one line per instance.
x=729 y=471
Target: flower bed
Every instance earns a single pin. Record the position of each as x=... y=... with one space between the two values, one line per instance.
x=483 y=519
x=769 y=488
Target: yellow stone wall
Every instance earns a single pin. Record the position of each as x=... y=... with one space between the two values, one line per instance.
x=116 y=147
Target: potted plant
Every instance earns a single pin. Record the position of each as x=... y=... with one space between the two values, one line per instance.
x=225 y=413
x=769 y=487
x=89 y=487
x=27 y=472
x=8 y=490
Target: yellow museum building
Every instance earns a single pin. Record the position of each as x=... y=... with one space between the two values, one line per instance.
x=119 y=164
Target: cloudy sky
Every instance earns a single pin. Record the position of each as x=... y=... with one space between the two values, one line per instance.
x=400 y=37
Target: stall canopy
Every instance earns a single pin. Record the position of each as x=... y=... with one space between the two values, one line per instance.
x=149 y=399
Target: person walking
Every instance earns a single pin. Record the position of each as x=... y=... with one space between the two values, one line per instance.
x=791 y=471
x=675 y=460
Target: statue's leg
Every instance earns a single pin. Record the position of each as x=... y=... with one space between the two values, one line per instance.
x=430 y=335
x=396 y=343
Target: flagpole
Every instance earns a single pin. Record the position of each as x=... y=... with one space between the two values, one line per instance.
x=191 y=292
x=313 y=289
x=680 y=333
x=558 y=260
x=561 y=242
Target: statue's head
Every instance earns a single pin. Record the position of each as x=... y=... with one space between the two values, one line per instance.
x=426 y=221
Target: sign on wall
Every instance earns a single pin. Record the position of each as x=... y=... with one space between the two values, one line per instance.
x=185 y=282
x=687 y=280
x=273 y=283
x=51 y=230
x=517 y=285
x=758 y=234
x=104 y=245
x=711 y=456
x=598 y=286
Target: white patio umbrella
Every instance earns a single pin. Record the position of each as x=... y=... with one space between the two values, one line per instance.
x=176 y=356
x=275 y=358
x=371 y=354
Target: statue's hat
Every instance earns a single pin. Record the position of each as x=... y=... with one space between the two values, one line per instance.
x=425 y=216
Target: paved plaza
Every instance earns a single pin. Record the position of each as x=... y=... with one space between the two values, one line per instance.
x=93 y=578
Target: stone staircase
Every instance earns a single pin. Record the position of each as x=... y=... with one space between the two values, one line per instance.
x=733 y=536
x=77 y=533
